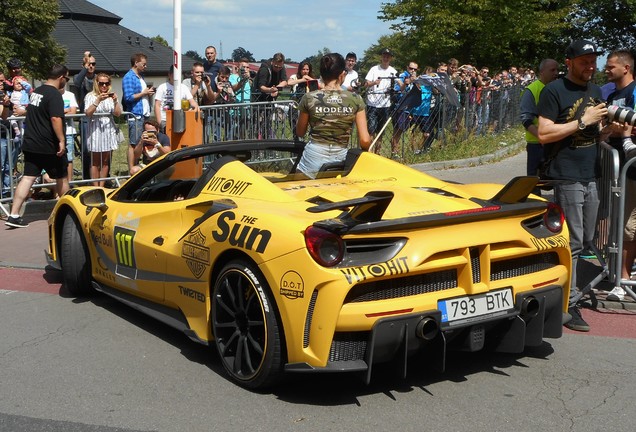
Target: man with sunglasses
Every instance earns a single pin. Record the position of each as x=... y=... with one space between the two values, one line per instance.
x=82 y=85
x=44 y=144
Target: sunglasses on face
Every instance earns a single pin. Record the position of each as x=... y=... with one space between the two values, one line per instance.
x=104 y=83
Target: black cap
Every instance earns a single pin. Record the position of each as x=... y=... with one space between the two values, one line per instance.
x=581 y=47
x=386 y=51
x=14 y=63
x=352 y=55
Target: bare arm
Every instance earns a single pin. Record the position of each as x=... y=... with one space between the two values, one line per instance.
x=301 y=125
x=550 y=132
x=58 y=128
x=363 y=133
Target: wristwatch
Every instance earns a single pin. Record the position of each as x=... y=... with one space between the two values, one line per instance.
x=582 y=125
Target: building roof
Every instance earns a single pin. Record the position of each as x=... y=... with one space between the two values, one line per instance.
x=84 y=26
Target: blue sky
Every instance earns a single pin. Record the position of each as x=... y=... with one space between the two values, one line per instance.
x=297 y=29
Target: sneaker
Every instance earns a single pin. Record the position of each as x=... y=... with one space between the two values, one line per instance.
x=617 y=294
x=16 y=222
x=587 y=254
x=577 y=322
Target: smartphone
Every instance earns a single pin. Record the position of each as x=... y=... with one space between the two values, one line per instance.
x=149 y=85
x=111 y=94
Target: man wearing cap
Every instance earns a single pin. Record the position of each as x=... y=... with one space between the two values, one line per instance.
x=351 y=77
x=570 y=116
x=380 y=81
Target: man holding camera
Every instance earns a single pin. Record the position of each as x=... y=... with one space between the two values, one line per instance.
x=199 y=85
x=137 y=94
x=242 y=82
x=242 y=85
x=81 y=86
x=570 y=118
x=150 y=146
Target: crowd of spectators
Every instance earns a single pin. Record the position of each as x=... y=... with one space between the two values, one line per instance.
x=212 y=82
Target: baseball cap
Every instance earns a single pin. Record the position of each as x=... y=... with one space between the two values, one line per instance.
x=386 y=51
x=14 y=63
x=581 y=47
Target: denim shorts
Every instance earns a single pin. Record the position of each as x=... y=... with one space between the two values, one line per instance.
x=316 y=155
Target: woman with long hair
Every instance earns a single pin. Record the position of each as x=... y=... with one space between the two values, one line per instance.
x=330 y=113
x=101 y=138
x=300 y=80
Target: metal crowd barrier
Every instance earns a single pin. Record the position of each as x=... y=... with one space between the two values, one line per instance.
x=619 y=207
x=255 y=120
x=11 y=146
x=482 y=111
x=609 y=236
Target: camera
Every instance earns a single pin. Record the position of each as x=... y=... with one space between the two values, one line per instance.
x=621 y=114
x=148 y=135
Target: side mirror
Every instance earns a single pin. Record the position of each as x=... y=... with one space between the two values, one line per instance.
x=95 y=198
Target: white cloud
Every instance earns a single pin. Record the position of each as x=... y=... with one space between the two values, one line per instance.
x=263 y=28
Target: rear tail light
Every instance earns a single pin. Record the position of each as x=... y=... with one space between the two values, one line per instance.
x=554 y=218
x=326 y=248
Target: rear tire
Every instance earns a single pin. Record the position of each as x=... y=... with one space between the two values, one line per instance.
x=245 y=327
x=75 y=260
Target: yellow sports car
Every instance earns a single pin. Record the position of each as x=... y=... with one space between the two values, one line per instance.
x=369 y=262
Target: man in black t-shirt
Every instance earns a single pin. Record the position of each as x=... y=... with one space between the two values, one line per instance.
x=570 y=129
x=271 y=78
x=44 y=143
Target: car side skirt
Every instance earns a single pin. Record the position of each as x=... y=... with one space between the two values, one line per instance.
x=171 y=317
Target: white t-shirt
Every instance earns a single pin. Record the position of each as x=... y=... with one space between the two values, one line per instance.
x=70 y=102
x=379 y=96
x=350 y=76
x=165 y=94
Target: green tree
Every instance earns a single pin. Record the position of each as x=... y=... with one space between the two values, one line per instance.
x=240 y=53
x=610 y=23
x=195 y=55
x=496 y=33
x=160 y=40
x=25 y=33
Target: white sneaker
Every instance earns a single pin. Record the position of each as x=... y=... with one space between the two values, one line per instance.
x=617 y=294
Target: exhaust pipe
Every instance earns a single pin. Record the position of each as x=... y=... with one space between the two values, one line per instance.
x=530 y=307
x=427 y=329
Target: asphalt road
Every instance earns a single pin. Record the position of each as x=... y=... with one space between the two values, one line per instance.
x=95 y=365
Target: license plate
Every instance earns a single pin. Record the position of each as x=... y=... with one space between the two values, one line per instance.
x=461 y=308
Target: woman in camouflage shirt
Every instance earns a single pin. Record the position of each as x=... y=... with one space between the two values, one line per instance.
x=330 y=114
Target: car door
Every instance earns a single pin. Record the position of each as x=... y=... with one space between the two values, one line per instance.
x=129 y=241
